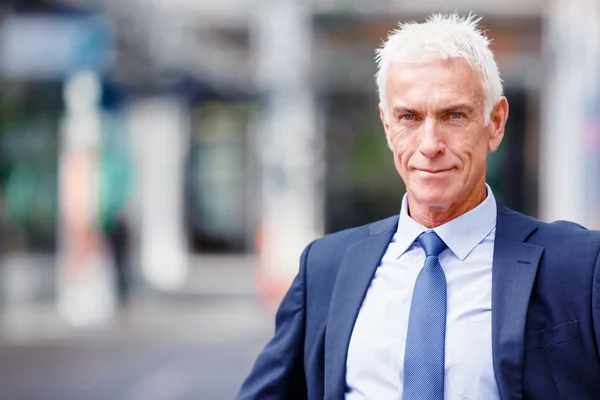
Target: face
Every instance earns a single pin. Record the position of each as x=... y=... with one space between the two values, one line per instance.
x=433 y=116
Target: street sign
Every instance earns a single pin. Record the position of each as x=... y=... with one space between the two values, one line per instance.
x=53 y=48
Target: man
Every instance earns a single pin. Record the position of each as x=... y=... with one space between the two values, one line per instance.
x=458 y=297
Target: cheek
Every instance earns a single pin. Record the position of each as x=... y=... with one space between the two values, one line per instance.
x=401 y=141
x=472 y=155
x=402 y=150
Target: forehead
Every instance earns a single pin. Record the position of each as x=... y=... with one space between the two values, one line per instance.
x=434 y=83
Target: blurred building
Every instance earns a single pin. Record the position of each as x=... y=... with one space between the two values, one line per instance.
x=245 y=125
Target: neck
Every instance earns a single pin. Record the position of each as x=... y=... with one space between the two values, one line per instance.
x=431 y=217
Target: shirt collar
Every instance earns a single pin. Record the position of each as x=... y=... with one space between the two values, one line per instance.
x=461 y=234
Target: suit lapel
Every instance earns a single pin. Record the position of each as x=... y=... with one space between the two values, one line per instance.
x=514 y=269
x=354 y=277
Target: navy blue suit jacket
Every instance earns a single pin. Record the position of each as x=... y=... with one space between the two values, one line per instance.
x=545 y=312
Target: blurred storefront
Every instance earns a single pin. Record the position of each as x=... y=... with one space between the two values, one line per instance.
x=58 y=124
x=241 y=126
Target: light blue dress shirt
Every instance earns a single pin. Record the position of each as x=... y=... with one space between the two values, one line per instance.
x=374 y=366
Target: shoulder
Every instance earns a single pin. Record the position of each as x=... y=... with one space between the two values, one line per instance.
x=569 y=234
x=561 y=236
x=324 y=256
x=571 y=241
x=339 y=241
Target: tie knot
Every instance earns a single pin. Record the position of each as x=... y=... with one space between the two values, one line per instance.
x=431 y=243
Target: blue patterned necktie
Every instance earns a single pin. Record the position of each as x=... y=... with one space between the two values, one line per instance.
x=426 y=339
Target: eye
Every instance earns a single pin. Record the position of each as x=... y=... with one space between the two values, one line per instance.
x=456 y=115
x=408 y=117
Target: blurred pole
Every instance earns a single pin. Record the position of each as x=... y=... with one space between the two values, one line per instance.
x=160 y=136
x=289 y=143
x=85 y=292
x=570 y=140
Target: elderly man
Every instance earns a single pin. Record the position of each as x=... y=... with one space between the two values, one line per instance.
x=458 y=297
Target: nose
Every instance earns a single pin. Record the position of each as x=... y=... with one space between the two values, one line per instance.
x=431 y=141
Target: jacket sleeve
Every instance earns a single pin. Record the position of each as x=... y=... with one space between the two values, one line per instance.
x=596 y=301
x=278 y=372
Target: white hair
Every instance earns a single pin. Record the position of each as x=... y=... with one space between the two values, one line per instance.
x=442 y=37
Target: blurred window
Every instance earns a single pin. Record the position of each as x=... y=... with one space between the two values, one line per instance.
x=217 y=177
x=29 y=118
x=362 y=183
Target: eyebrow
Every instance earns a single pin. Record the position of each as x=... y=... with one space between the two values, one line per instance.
x=403 y=110
x=467 y=108
x=457 y=107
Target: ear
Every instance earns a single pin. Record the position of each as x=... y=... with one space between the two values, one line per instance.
x=384 y=121
x=498 y=119
x=386 y=125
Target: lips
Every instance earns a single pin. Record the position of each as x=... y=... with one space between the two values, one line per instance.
x=433 y=171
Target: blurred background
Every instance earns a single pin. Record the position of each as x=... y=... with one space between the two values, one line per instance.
x=164 y=162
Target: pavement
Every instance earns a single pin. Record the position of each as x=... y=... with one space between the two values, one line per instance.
x=198 y=342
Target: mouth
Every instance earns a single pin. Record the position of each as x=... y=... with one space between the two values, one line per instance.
x=433 y=171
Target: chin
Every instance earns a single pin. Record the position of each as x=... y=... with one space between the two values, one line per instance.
x=434 y=196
